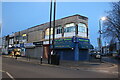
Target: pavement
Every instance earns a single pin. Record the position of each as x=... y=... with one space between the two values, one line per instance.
x=91 y=65
x=13 y=69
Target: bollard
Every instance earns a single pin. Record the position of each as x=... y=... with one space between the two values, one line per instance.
x=16 y=57
x=41 y=59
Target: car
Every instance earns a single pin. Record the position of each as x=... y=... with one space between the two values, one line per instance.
x=98 y=56
x=92 y=54
x=95 y=55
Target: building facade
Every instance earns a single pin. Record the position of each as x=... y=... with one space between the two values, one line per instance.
x=71 y=39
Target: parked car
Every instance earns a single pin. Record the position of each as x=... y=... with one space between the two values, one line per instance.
x=98 y=56
x=95 y=55
x=92 y=54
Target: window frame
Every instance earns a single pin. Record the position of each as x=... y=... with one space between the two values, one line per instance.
x=85 y=28
x=68 y=29
x=48 y=31
x=59 y=30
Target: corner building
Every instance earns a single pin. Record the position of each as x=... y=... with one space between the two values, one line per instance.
x=71 y=39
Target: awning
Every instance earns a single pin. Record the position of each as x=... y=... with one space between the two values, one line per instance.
x=85 y=46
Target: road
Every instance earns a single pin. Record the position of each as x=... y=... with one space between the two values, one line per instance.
x=111 y=60
x=13 y=68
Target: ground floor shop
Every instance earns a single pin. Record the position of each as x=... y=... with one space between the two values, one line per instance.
x=75 y=49
x=33 y=50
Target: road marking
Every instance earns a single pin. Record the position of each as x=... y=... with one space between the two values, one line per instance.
x=8 y=74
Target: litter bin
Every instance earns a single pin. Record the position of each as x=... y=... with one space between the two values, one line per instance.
x=55 y=59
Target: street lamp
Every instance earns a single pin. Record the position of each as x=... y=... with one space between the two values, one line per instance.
x=54 y=14
x=49 y=53
x=100 y=32
x=103 y=18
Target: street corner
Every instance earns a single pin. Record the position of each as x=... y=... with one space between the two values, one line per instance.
x=105 y=67
x=110 y=65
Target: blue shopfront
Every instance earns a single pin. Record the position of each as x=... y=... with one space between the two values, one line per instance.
x=75 y=49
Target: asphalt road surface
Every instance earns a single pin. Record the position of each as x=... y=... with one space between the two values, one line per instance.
x=12 y=68
x=111 y=60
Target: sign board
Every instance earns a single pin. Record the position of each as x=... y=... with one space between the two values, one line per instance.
x=37 y=44
x=29 y=45
x=22 y=45
x=77 y=39
x=17 y=45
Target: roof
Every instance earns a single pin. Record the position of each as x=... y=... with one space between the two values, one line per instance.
x=60 y=19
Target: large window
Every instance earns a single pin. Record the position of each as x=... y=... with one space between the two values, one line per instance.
x=69 y=27
x=59 y=30
x=82 y=28
x=24 y=36
x=47 y=31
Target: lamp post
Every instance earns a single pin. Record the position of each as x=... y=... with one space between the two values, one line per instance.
x=49 y=52
x=100 y=32
x=1 y=38
x=0 y=34
x=54 y=26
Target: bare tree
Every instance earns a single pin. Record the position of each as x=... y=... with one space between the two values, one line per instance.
x=111 y=28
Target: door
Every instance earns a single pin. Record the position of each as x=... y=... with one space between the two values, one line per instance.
x=45 y=55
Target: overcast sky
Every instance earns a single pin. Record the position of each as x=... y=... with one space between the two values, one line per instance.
x=17 y=16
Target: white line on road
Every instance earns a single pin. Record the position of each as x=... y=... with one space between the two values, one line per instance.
x=8 y=74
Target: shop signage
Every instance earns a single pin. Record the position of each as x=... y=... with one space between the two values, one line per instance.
x=22 y=45
x=38 y=43
x=17 y=45
x=29 y=45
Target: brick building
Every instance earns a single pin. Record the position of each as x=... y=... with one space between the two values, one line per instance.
x=71 y=39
